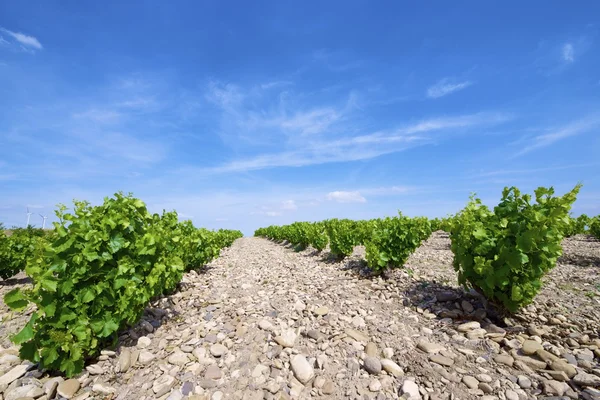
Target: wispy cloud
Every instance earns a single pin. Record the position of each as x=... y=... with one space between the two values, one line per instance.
x=568 y=52
x=346 y=197
x=573 y=129
x=526 y=171
x=360 y=147
x=289 y=205
x=25 y=40
x=445 y=87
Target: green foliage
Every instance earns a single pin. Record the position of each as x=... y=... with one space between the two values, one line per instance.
x=577 y=226
x=98 y=272
x=595 y=226
x=505 y=253
x=394 y=240
x=342 y=237
x=200 y=246
x=17 y=248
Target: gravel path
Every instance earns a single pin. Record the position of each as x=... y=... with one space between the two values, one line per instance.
x=263 y=321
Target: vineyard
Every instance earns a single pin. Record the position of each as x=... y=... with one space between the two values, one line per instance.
x=116 y=302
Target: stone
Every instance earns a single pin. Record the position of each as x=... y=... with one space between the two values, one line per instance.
x=26 y=391
x=287 y=338
x=431 y=348
x=124 y=360
x=388 y=352
x=50 y=386
x=375 y=385
x=484 y=378
x=371 y=349
x=14 y=374
x=103 y=388
x=446 y=295
x=372 y=365
x=554 y=388
x=175 y=395
x=556 y=375
x=440 y=359
x=213 y=372
x=530 y=347
x=468 y=326
x=358 y=336
x=565 y=367
x=301 y=368
x=466 y=306
x=95 y=369
x=511 y=395
x=471 y=382
x=143 y=342
x=265 y=325
x=178 y=358
x=504 y=359
x=485 y=388
x=217 y=350
x=585 y=379
x=391 y=367
x=68 y=388
x=328 y=387
x=259 y=370
x=163 y=385
x=146 y=357
x=411 y=389
x=321 y=311
x=524 y=382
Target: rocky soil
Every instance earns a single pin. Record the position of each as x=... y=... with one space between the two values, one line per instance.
x=264 y=321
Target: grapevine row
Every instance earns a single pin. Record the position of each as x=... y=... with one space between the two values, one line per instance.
x=502 y=253
x=96 y=272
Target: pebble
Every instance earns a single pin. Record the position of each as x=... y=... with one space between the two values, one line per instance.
x=103 y=388
x=391 y=367
x=143 y=342
x=440 y=359
x=372 y=365
x=411 y=389
x=431 y=348
x=471 y=382
x=68 y=388
x=217 y=350
x=375 y=385
x=163 y=385
x=213 y=372
x=287 y=338
x=146 y=357
x=524 y=382
x=301 y=368
x=14 y=374
x=468 y=326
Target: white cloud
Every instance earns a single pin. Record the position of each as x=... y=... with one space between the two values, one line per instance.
x=387 y=191
x=568 y=53
x=445 y=87
x=311 y=122
x=346 y=197
x=289 y=205
x=25 y=40
x=362 y=147
x=573 y=129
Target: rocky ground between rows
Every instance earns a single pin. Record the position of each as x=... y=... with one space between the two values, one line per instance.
x=266 y=322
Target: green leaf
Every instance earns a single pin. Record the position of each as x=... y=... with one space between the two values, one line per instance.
x=26 y=333
x=15 y=300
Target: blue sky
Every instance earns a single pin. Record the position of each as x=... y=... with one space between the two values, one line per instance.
x=241 y=116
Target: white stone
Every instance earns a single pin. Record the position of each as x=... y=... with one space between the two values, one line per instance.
x=301 y=368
